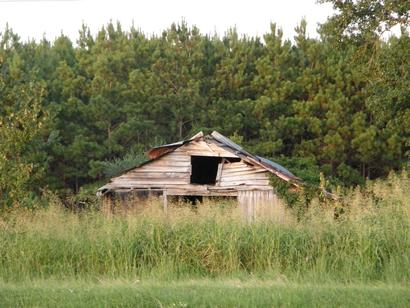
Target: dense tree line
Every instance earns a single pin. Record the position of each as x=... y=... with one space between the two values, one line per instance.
x=67 y=108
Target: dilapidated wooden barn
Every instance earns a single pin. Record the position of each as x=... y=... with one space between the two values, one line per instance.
x=204 y=166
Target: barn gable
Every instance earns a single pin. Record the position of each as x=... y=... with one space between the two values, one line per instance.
x=209 y=165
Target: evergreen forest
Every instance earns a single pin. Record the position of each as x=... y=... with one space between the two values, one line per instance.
x=74 y=113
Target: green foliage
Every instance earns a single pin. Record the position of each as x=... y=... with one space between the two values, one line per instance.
x=285 y=191
x=364 y=19
x=368 y=243
x=296 y=198
x=118 y=165
x=303 y=167
x=314 y=184
x=340 y=111
x=20 y=131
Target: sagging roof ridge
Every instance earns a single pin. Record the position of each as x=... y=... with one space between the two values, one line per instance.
x=267 y=164
x=236 y=149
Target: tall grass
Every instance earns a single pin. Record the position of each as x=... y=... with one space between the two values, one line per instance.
x=369 y=241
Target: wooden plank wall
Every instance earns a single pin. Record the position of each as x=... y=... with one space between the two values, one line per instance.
x=172 y=169
x=202 y=148
x=260 y=205
x=240 y=173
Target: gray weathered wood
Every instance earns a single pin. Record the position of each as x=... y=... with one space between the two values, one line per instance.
x=170 y=174
x=219 y=172
x=164 y=196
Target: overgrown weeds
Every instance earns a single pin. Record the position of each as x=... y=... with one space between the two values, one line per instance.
x=369 y=241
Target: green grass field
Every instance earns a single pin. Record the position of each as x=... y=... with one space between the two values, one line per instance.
x=209 y=257
x=200 y=293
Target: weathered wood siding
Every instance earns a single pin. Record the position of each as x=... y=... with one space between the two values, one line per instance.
x=260 y=204
x=173 y=172
x=171 y=169
x=240 y=173
x=202 y=148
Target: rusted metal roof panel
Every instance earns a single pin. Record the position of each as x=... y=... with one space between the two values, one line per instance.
x=166 y=148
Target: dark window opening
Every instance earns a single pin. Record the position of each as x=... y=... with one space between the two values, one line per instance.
x=204 y=169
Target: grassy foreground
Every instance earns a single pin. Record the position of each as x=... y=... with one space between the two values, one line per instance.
x=209 y=256
x=200 y=293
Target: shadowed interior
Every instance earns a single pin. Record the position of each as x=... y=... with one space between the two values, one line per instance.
x=204 y=169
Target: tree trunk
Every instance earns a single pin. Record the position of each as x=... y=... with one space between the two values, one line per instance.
x=181 y=124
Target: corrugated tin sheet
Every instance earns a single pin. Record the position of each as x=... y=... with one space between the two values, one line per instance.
x=264 y=161
x=276 y=166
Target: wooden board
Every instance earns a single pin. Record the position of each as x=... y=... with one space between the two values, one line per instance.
x=161 y=169
x=244 y=177
x=260 y=205
x=154 y=175
x=242 y=183
x=202 y=148
x=149 y=182
x=173 y=171
x=241 y=166
x=166 y=163
x=240 y=173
